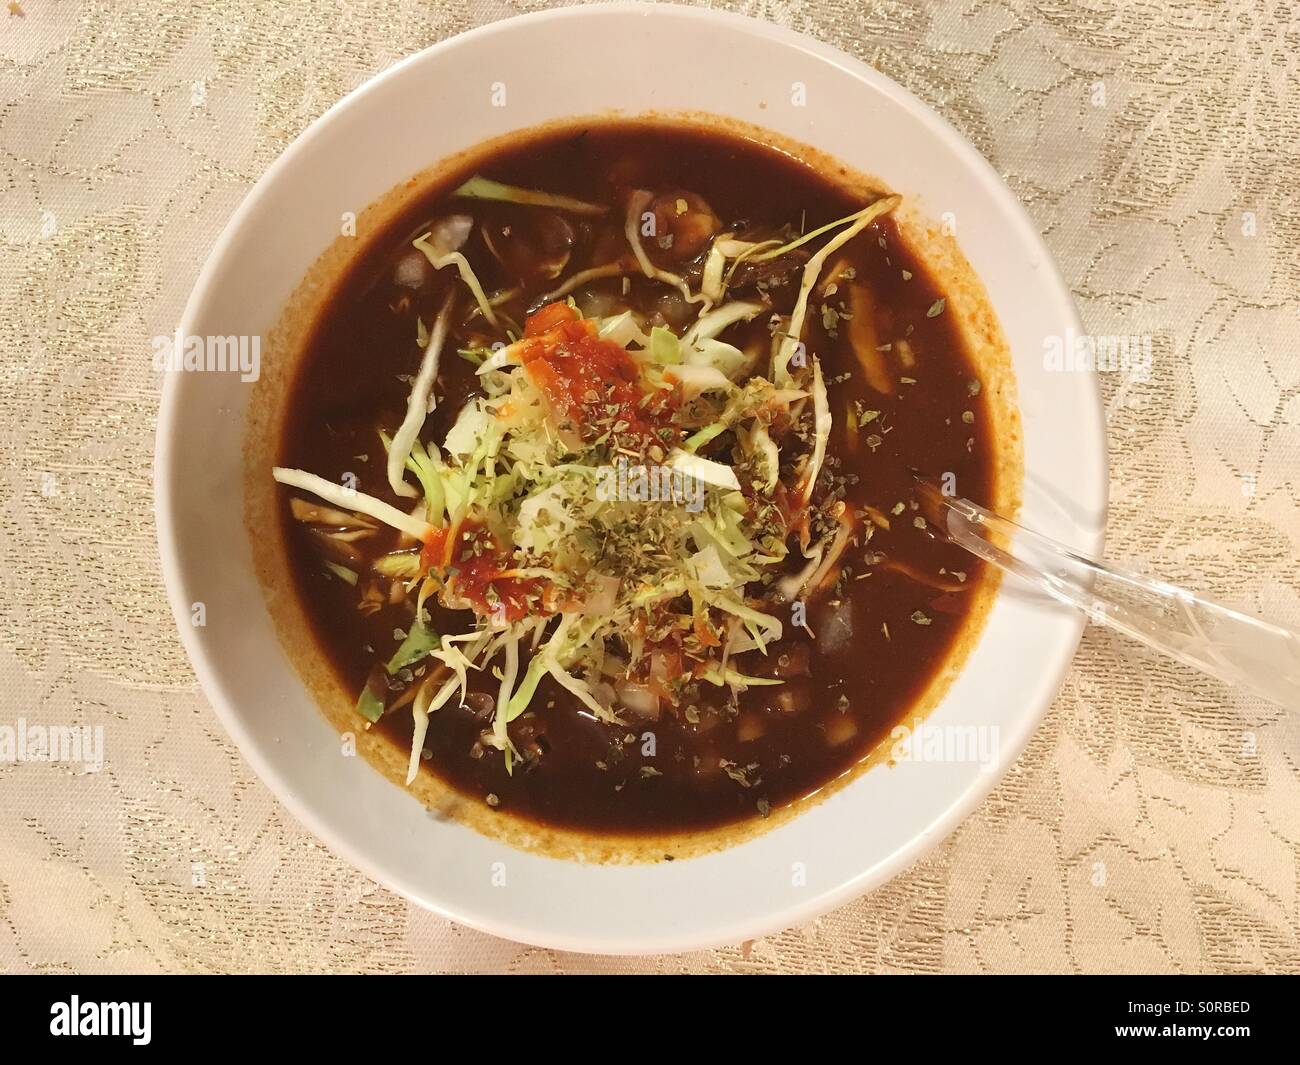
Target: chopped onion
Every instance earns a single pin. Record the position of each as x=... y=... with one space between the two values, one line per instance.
x=642 y=701
x=603 y=598
x=412 y=270
x=835 y=630
x=450 y=233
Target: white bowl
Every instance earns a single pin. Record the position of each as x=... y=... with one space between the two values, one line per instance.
x=633 y=58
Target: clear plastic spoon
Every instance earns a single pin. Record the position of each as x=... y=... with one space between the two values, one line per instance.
x=1236 y=648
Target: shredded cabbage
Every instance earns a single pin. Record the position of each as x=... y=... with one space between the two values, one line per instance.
x=637 y=203
x=369 y=705
x=696 y=380
x=702 y=469
x=712 y=286
x=508 y=675
x=419 y=642
x=421 y=716
x=579 y=279
x=821 y=432
x=418 y=405
x=764 y=448
x=468 y=429
x=664 y=347
x=351 y=499
x=623 y=329
x=481 y=188
x=708 y=326
x=440 y=258
x=812 y=269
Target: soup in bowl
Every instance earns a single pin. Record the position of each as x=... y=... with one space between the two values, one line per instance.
x=597 y=465
x=575 y=493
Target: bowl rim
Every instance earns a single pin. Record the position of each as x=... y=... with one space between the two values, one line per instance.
x=1045 y=687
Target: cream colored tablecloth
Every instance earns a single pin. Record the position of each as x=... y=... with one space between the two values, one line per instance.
x=1153 y=824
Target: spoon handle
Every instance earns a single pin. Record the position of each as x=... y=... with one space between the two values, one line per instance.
x=1238 y=649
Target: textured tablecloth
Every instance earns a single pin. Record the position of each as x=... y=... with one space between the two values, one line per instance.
x=1154 y=822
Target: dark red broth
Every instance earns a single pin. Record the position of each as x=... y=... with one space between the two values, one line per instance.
x=716 y=763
